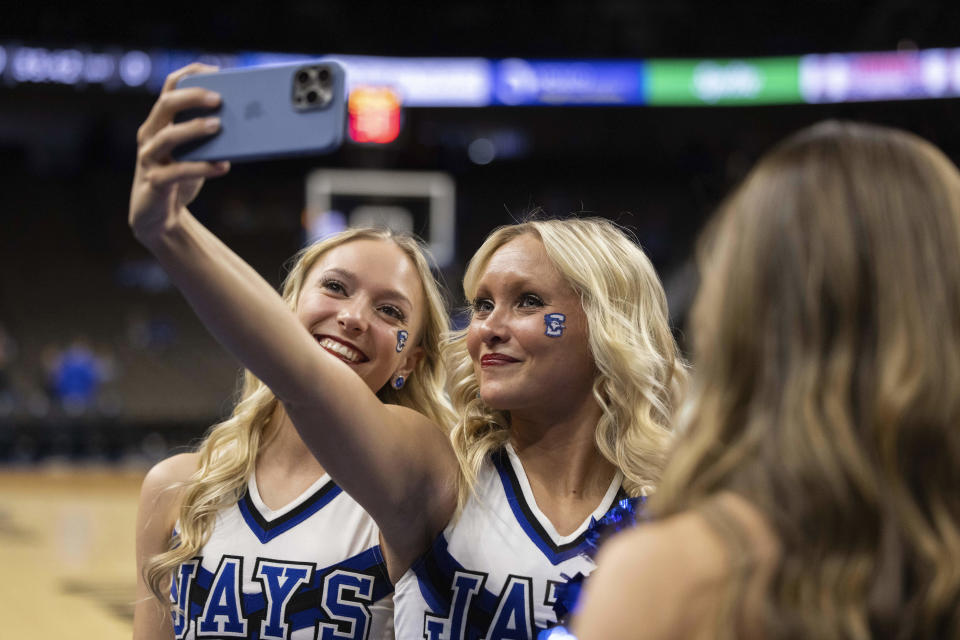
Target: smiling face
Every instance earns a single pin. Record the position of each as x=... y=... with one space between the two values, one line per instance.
x=520 y=361
x=355 y=300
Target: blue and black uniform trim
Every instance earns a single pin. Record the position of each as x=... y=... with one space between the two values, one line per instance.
x=268 y=530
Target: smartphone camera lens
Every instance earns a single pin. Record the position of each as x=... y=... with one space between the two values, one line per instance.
x=312 y=87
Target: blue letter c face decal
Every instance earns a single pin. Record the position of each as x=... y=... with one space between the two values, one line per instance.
x=401 y=340
x=555 y=326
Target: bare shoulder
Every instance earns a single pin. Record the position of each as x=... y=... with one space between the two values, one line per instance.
x=171 y=471
x=689 y=546
x=669 y=574
x=648 y=575
x=156 y=517
x=159 y=503
x=679 y=553
x=160 y=488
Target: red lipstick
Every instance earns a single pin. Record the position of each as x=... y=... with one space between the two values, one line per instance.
x=496 y=359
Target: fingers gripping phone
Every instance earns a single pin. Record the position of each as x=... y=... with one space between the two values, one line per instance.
x=270 y=112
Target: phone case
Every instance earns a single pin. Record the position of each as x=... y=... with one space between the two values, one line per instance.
x=269 y=112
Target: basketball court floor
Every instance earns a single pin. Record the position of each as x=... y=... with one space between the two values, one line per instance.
x=67 y=552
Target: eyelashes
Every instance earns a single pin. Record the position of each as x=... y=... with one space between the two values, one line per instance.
x=333 y=285
x=481 y=305
x=392 y=311
x=338 y=288
x=528 y=301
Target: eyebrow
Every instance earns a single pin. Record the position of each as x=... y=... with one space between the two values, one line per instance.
x=390 y=294
x=514 y=283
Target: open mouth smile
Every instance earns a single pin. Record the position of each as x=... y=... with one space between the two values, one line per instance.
x=346 y=352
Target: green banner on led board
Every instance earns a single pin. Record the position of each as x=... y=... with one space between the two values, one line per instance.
x=723 y=82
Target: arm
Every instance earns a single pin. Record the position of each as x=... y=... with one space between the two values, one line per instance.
x=156 y=516
x=392 y=460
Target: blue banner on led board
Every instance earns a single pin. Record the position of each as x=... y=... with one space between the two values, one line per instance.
x=520 y=82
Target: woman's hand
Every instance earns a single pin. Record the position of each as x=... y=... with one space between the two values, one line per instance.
x=162 y=186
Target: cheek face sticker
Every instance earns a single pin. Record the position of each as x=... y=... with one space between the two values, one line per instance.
x=401 y=340
x=555 y=326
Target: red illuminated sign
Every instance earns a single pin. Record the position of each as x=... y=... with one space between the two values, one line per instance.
x=374 y=115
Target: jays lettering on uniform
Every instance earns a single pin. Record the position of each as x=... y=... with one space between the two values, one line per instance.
x=445 y=595
x=290 y=575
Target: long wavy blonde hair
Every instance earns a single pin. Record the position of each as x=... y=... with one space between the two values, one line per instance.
x=639 y=368
x=228 y=454
x=827 y=383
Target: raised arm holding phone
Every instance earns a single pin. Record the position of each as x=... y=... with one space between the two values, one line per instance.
x=266 y=542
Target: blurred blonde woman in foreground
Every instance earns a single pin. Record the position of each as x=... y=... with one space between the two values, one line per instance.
x=814 y=490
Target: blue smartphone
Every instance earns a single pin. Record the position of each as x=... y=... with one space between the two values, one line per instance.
x=270 y=112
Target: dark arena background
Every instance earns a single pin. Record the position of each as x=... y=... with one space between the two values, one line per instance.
x=464 y=116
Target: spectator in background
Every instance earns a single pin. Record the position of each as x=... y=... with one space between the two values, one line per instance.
x=75 y=375
x=814 y=490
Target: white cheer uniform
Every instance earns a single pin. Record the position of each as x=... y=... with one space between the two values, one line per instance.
x=493 y=573
x=311 y=570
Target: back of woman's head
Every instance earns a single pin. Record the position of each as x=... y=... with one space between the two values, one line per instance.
x=639 y=370
x=827 y=387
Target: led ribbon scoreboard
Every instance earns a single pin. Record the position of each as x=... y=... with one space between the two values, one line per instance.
x=515 y=82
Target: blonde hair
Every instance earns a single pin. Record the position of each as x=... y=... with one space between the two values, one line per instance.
x=827 y=382
x=639 y=369
x=228 y=454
